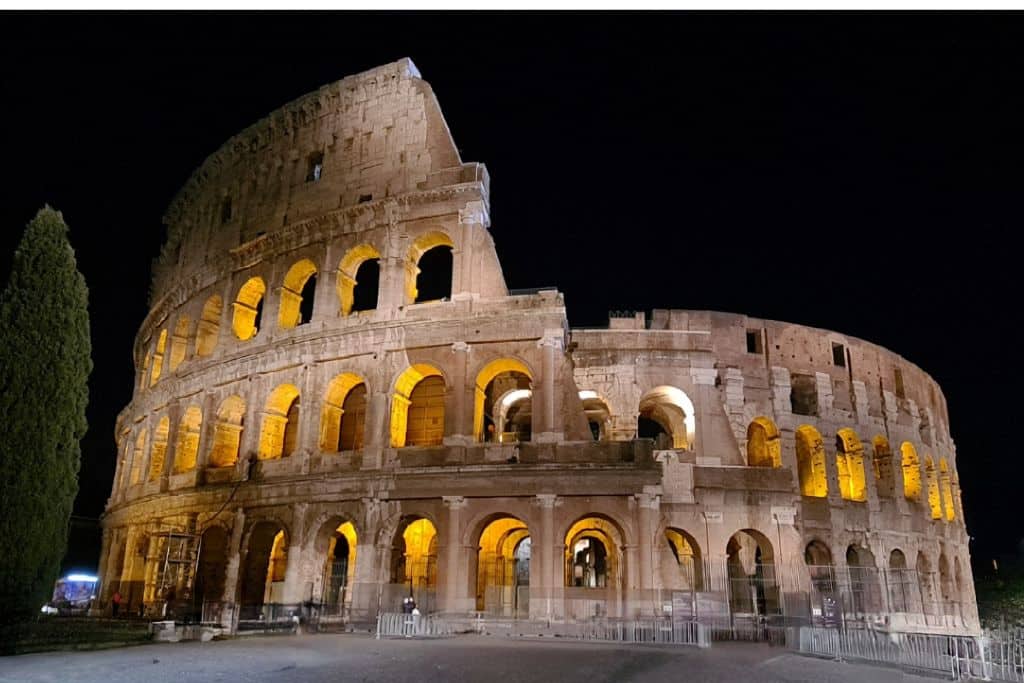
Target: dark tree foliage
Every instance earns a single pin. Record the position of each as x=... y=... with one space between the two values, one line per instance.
x=45 y=361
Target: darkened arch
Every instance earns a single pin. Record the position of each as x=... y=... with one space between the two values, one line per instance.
x=883 y=468
x=297 y=295
x=682 y=563
x=810 y=462
x=248 y=305
x=598 y=414
x=901 y=580
x=750 y=564
x=279 y=435
x=764 y=447
x=864 y=586
x=265 y=564
x=211 y=571
x=434 y=275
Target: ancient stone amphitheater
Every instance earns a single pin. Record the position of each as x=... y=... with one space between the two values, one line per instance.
x=339 y=403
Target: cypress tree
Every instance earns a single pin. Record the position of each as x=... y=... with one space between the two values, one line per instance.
x=45 y=361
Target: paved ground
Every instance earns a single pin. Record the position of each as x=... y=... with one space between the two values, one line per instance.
x=334 y=657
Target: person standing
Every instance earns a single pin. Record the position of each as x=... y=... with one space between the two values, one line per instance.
x=115 y=602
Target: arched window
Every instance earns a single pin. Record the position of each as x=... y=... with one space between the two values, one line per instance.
x=262 y=576
x=926 y=580
x=158 y=357
x=279 y=436
x=227 y=435
x=297 y=295
x=500 y=569
x=414 y=557
x=850 y=464
x=144 y=379
x=818 y=559
x=667 y=411
x=599 y=416
x=750 y=565
x=359 y=279
x=901 y=583
x=682 y=566
x=417 y=407
x=810 y=462
x=592 y=557
x=179 y=342
x=340 y=568
x=947 y=490
x=934 y=504
x=159 y=449
x=863 y=580
x=434 y=275
x=764 y=448
x=208 y=327
x=188 y=440
x=882 y=462
x=249 y=308
x=911 y=472
x=502 y=405
x=343 y=414
x=139 y=456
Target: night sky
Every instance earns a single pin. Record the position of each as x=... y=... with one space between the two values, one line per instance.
x=855 y=172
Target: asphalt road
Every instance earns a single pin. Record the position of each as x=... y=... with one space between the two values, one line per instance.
x=347 y=657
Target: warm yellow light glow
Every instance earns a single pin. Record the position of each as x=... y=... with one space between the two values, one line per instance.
x=280 y=422
x=810 y=460
x=764 y=447
x=188 y=439
x=348 y=532
x=141 y=441
x=158 y=358
x=228 y=432
x=145 y=369
x=422 y=245
x=934 y=504
x=332 y=414
x=485 y=377
x=496 y=561
x=247 y=305
x=179 y=342
x=347 y=271
x=911 y=472
x=277 y=567
x=605 y=533
x=290 y=306
x=671 y=408
x=947 y=490
x=208 y=327
x=420 y=539
x=850 y=464
x=882 y=462
x=421 y=424
x=159 y=449
x=687 y=555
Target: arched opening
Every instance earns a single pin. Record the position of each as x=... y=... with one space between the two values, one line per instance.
x=414 y=562
x=958 y=595
x=882 y=461
x=810 y=462
x=503 y=391
x=593 y=560
x=947 y=490
x=159 y=448
x=179 y=341
x=503 y=568
x=417 y=407
x=339 y=569
x=850 y=465
x=279 y=436
x=158 y=357
x=249 y=308
x=266 y=561
x=934 y=504
x=358 y=281
x=145 y=370
x=297 y=295
x=911 y=472
x=764 y=447
x=139 y=456
x=343 y=414
x=750 y=564
x=227 y=433
x=946 y=585
x=429 y=268
x=188 y=439
x=681 y=565
x=208 y=327
x=864 y=593
x=599 y=417
x=211 y=570
x=667 y=416
x=900 y=582
x=825 y=604
x=926 y=581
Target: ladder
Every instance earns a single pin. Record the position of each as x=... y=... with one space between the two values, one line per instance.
x=179 y=566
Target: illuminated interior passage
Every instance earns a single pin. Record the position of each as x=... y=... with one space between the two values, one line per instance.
x=947 y=490
x=764 y=447
x=666 y=410
x=227 y=434
x=266 y=563
x=297 y=295
x=279 y=435
x=494 y=401
x=340 y=568
x=592 y=557
x=850 y=465
x=682 y=568
x=249 y=308
x=343 y=414
x=414 y=554
x=503 y=564
x=934 y=503
x=158 y=358
x=187 y=447
x=810 y=461
x=417 y=407
x=911 y=472
x=208 y=327
x=179 y=342
x=159 y=449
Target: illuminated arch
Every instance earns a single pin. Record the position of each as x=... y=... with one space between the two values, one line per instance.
x=947 y=490
x=934 y=502
x=227 y=434
x=764 y=447
x=158 y=357
x=249 y=308
x=681 y=561
x=672 y=410
x=266 y=563
x=414 y=554
x=299 y=287
x=599 y=416
x=882 y=462
x=422 y=245
x=280 y=423
x=139 y=455
x=417 y=419
x=341 y=428
x=810 y=462
x=179 y=342
x=348 y=269
x=188 y=439
x=593 y=553
x=502 y=564
x=144 y=379
x=208 y=327
x=911 y=471
x=850 y=464
x=508 y=367
x=159 y=448
x=338 y=540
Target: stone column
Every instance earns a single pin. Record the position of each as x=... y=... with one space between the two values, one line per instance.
x=704 y=381
x=367 y=581
x=453 y=597
x=550 y=429
x=252 y=423
x=206 y=431
x=548 y=550
x=648 y=505
x=171 y=451
x=377 y=436
x=325 y=304
x=471 y=219
x=460 y=425
x=234 y=560
x=293 y=572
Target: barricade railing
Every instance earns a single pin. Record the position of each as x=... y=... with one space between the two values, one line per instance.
x=662 y=631
x=392 y=624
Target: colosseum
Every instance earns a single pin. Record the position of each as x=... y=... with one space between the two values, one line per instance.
x=339 y=404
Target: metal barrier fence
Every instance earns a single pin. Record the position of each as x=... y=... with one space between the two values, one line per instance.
x=391 y=624
x=1003 y=650
x=642 y=631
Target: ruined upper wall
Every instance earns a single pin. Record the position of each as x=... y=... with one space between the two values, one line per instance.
x=376 y=134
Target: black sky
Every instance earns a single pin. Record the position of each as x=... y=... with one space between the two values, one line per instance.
x=858 y=172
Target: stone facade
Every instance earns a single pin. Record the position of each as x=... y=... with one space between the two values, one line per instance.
x=473 y=449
